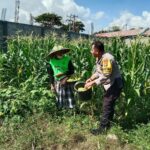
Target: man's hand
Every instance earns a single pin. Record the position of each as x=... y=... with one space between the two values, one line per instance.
x=88 y=80
x=89 y=84
x=93 y=77
x=64 y=81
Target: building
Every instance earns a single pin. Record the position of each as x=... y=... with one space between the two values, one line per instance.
x=126 y=34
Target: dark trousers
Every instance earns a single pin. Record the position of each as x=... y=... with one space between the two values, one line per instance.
x=109 y=99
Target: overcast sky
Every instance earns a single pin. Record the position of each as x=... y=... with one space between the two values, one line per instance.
x=103 y=13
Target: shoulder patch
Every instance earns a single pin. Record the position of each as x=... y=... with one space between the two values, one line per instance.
x=106 y=66
x=105 y=62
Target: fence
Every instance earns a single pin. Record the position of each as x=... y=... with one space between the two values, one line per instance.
x=8 y=29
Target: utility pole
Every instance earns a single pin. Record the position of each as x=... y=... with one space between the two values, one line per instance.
x=31 y=19
x=126 y=26
x=69 y=22
x=72 y=21
x=3 y=14
x=17 y=6
x=92 y=28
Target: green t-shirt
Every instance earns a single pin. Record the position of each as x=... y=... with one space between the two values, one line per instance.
x=60 y=66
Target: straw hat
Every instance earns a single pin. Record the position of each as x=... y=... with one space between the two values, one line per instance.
x=58 y=49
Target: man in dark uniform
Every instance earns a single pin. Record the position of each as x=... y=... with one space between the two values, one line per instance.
x=107 y=74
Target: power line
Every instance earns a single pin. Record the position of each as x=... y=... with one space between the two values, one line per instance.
x=72 y=21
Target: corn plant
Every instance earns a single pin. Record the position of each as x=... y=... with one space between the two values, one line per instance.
x=134 y=60
x=27 y=58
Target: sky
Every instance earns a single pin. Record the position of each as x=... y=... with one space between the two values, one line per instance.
x=103 y=14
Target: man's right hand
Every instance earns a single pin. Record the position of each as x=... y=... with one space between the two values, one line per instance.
x=93 y=77
x=88 y=80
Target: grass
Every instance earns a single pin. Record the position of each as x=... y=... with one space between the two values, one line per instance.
x=69 y=131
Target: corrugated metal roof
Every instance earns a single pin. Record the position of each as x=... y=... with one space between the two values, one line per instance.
x=147 y=33
x=125 y=33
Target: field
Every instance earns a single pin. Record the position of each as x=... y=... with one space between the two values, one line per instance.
x=29 y=118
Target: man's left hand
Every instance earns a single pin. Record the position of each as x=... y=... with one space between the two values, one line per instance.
x=89 y=84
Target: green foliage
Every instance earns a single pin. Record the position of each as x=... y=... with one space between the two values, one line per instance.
x=77 y=26
x=115 y=28
x=49 y=20
x=134 y=60
x=141 y=136
x=31 y=97
x=25 y=58
x=23 y=77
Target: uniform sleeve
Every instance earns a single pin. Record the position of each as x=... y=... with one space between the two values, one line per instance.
x=70 y=68
x=95 y=75
x=50 y=74
x=106 y=67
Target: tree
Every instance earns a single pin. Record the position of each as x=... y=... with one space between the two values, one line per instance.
x=65 y=27
x=79 y=26
x=49 y=20
x=115 y=28
x=103 y=31
x=76 y=26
